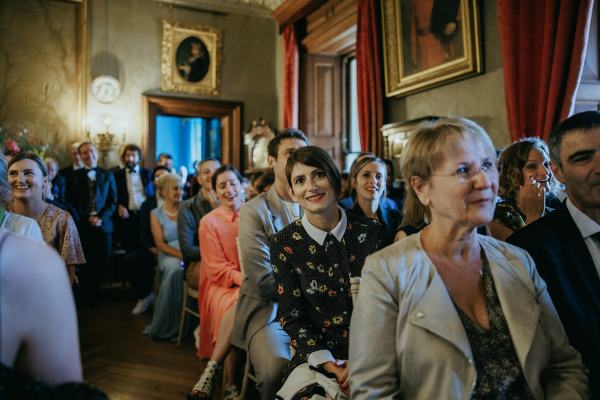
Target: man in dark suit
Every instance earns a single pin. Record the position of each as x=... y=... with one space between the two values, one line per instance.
x=564 y=244
x=134 y=186
x=76 y=164
x=93 y=193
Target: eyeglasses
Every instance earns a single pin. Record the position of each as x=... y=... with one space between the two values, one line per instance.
x=466 y=173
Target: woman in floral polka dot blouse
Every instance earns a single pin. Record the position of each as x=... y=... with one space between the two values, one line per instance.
x=313 y=260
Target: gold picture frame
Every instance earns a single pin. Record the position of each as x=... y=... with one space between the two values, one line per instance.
x=191 y=58
x=427 y=43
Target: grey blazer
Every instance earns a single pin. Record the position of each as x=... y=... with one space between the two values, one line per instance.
x=260 y=219
x=407 y=340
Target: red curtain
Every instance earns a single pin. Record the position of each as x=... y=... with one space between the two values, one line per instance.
x=368 y=75
x=290 y=79
x=543 y=48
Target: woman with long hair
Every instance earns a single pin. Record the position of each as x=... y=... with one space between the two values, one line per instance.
x=526 y=182
x=368 y=178
x=28 y=179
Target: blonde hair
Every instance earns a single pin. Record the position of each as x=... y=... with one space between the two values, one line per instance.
x=165 y=181
x=426 y=151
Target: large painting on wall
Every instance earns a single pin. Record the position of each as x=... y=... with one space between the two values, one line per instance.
x=191 y=59
x=428 y=43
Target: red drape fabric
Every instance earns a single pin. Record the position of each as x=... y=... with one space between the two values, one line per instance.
x=543 y=48
x=368 y=75
x=290 y=78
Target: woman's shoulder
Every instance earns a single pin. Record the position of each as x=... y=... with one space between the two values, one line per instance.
x=507 y=255
x=360 y=222
x=21 y=225
x=293 y=230
x=56 y=213
x=212 y=217
x=400 y=256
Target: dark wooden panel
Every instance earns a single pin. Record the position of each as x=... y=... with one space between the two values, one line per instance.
x=321 y=116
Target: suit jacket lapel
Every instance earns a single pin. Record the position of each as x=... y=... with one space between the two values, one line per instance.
x=518 y=302
x=98 y=187
x=278 y=215
x=580 y=259
x=436 y=313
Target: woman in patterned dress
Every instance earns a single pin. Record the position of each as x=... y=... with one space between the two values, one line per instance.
x=450 y=314
x=313 y=262
x=27 y=177
x=524 y=188
x=219 y=286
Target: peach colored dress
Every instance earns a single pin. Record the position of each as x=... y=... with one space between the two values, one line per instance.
x=220 y=276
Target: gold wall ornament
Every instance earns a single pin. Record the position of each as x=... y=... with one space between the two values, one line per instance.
x=428 y=43
x=191 y=58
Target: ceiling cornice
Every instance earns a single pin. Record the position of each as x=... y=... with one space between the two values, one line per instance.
x=261 y=8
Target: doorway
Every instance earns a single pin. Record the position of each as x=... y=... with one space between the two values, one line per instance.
x=216 y=123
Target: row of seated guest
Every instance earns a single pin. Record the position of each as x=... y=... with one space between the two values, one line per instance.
x=575 y=385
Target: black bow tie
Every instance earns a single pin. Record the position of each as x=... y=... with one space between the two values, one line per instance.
x=131 y=170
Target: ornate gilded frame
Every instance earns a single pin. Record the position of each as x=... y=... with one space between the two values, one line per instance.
x=400 y=80
x=173 y=35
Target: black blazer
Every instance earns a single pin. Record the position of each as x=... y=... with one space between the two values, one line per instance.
x=59 y=187
x=121 y=181
x=105 y=196
x=563 y=260
x=388 y=218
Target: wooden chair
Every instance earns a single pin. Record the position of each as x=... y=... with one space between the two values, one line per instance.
x=188 y=293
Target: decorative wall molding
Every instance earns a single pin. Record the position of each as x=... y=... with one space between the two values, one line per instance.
x=261 y=8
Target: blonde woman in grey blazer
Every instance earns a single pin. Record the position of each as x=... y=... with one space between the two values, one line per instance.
x=450 y=314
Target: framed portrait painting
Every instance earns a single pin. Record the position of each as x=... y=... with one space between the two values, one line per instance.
x=429 y=43
x=191 y=59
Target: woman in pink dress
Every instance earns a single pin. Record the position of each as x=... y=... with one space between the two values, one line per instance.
x=220 y=280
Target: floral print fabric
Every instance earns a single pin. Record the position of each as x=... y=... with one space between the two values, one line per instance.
x=313 y=283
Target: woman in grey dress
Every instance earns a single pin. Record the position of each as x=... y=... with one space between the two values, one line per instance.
x=163 y=223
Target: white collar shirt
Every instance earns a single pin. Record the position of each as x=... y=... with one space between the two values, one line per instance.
x=319 y=235
x=135 y=188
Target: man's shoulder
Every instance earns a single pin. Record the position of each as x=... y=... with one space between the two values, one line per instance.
x=259 y=205
x=541 y=231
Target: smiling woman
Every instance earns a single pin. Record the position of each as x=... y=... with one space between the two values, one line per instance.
x=314 y=260
x=220 y=280
x=28 y=179
x=456 y=293
x=368 y=179
x=526 y=183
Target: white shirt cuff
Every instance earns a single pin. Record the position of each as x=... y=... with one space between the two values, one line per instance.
x=320 y=357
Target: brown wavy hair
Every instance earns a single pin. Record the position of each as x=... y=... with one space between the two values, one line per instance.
x=510 y=166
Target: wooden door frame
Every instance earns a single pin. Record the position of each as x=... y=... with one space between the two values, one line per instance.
x=229 y=112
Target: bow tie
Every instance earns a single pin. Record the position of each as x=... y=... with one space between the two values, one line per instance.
x=131 y=170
